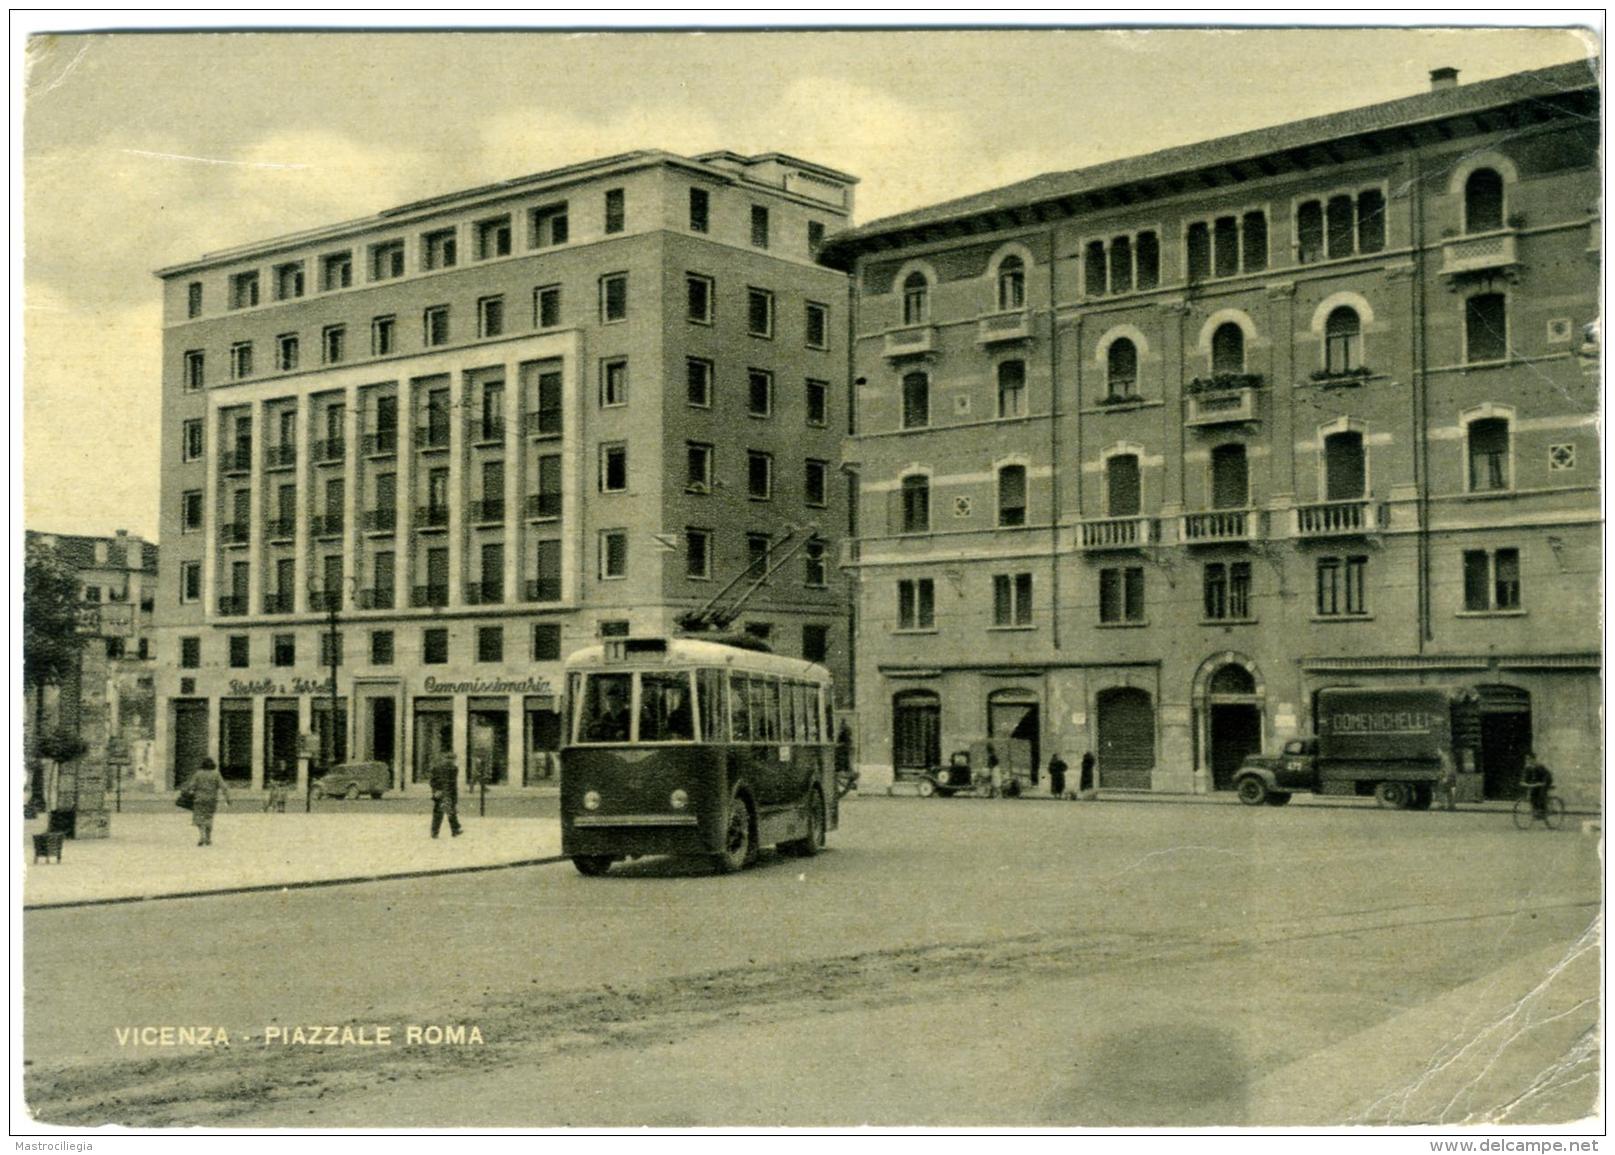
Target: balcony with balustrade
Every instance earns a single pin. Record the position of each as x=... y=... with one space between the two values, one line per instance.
x=997 y=328
x=1220 y=527
x=912 y=341
x=1102 y=533
x=1225 y=399
x=1326 y=519
x=1479 y=253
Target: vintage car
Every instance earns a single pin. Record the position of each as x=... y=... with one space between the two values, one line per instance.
x=352 y=779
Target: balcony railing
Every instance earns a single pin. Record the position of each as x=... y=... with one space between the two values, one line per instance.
x=235 y=532
x=1118 y=532
x=383 y=520
x=432 y=517
x=325 y=600
x=325 y=525
x=911 y=341
x=232 y=606
x=543 y=505
x=238 y=460
x=490 y=510
x=1336 y=518
x=543 y=423
x=281 y=603
x=1218 y=526
x=489 y=432
x=329 y=451
x=1013 y=326
x=281 y=529
x=382 y=444
x=280 y=456
x=1479 y=253
x=484 y=593
x=432 y=436
x=381 y=598
x=429 y=596
x=543 y=589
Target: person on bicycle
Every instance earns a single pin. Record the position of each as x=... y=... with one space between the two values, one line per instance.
x=1537 y=780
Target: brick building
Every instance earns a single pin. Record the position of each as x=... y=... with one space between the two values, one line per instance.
x=487 y=428
x=1149 y=452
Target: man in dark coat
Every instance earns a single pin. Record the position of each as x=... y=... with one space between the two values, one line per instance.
x=445 y=793
x=1057 y=769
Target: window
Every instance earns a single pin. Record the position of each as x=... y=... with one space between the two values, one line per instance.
x=698 y=298
x=1491 y=580
x=1012 y=495
x=1483 y=201
x=190 y=511
x=815 y=231
x=381 y=647
x=814 y=574
x=286 y=352
x=195 y=372
x=1345 y=466
x=1230 y=477
x=283 y=650
x=700 y=216
x=240 y=652
x=386 y=260
x=818 y=325
x=1341 y=586
x=1012 y=389
x=493 y=238
x=616 y=210
x=1121 y=368
x=240 y=360
x=698 y=553
x=614 y=553
x=546 y=642
x=759 y=475
x=244 y=290
x=191 y=440
x=1341 y=226
x=1488 y=454
x=435 y=646
x=1227 y=246
x=916 y=299
x=1011 y=283
x=544 y=387
x=759 y=392
x=1228 y=349
x=193 y=299
x=759 y=227
x=334 y=344
x=438 y=249
x=190 y=653
x=1122 y=488
x=436 y=326
x=614 y=468
x=336 y=271
x=383 y=336
x=818 y=393
x=490 y=643
x=1012 y=599
x=916 y=604
x=546 y=226
x=815 y=648
x=1342 y=341
x=614 y=297
x=916 y=504
x=758 y=546
x=759 y=312
x=547 y=306
x=490 y=316
x=614 y=629
x=614 y=382
x=698 y=467
x=1124 y=263
x=816 y=482
x=1226 y=589
x=916 y=401
x=1485 y=328
x=1121 y=594
x=289 y=281
x=698 y=382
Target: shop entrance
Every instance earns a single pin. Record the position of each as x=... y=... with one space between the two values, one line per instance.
x=1505 y=738
x=1015 y=714
x=488 y=758
x=542 y=739
x=1126 y=738
x=381 y=733
x=190 y=738
x=280 y=739
x=434 y=733
x=1236 y=730
x=916 y=731
x=235 y=739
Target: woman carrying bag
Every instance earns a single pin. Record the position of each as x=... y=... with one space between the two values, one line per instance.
x=201 y=797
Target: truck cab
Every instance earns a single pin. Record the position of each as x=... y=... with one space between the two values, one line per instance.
x=1272 y=778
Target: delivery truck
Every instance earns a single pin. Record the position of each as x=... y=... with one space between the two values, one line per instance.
x=1396 y=743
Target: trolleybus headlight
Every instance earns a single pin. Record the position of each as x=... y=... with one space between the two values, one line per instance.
x=679 y=799
x=591 y=800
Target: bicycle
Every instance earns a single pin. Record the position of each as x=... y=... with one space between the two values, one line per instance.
x=1552 y=814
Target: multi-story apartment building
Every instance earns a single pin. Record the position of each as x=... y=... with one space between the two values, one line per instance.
x=486 y=428
x=1149 y=452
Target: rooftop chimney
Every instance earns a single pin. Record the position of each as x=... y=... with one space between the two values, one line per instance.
x=1443 y=78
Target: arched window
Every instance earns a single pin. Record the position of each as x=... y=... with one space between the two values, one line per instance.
x=1011 y=283
x=1230 y=477
x=916 y=299
x=1012 y=495
x=1342 y=341
x=1344 y=466
x=916 y=504
x=1122 y=486
x=916 y=401
x=1483 y=201
x=916 y=730
x=1121 y=368
x=1488 y=454
x=1012 y=389
x=1486 y=328
x=1228 y=349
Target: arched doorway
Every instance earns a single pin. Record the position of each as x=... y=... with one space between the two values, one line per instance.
x=1125 y=725
x=1015 y=713
x=916 y=731
x=1229 y=697
x=1505 y=737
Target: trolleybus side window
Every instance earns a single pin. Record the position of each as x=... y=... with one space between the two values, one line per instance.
x=768 y=697
x=664 y=708
x=739 y=708
x=604 y=713
x=787 y=711
x=713 y=702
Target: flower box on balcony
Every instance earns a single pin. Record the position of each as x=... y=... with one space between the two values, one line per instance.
x=1225 y=398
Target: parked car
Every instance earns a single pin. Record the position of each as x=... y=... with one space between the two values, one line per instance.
x=352 y=779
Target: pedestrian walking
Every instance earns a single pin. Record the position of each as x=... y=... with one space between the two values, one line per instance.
x=1057 y=769
x=1085 y=782
x=445 y=794
x=206 y=789
x=1448 y=782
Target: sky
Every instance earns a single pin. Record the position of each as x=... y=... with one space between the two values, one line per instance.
x=144 y=150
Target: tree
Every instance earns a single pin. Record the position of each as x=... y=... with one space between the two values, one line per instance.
x=50 y=641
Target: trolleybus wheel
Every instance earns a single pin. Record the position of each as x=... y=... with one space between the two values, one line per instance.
x=814 y=842
x=592 y=865
x=737 y=847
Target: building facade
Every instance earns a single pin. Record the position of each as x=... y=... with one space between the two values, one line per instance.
x=483 y=430
x=1150 y=452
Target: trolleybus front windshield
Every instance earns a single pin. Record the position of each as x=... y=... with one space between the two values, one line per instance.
x=665 y=707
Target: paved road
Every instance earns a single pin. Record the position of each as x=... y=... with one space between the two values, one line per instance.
x=947 y=963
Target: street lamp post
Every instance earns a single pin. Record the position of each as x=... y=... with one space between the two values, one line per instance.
x=332 y=600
